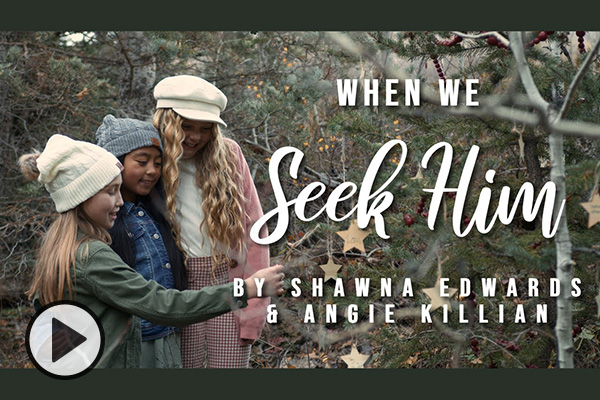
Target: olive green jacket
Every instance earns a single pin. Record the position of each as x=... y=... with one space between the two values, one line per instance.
x=118 y=295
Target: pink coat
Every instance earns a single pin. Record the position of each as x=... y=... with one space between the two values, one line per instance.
x=251 y=319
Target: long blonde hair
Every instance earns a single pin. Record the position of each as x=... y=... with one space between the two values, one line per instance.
x=217 y=177
x=58 y=249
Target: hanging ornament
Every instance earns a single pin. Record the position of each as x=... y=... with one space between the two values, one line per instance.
x=541 y=37
x=331 y=269
x=438 y=67
x=437 y=300
x=419 y=175
x=355 y=359
x=434 y=293
x=452 y=42
x=580 y=39
x=593 y=209
x=354 y=236
x=593 y=205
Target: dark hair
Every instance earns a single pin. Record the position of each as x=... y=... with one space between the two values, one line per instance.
x=124 y=245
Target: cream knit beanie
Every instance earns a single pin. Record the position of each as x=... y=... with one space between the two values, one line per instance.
x=73 y=171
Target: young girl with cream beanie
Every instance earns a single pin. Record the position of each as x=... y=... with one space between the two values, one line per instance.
x=75 y=261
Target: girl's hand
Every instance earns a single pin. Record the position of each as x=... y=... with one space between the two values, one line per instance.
x=273 y=282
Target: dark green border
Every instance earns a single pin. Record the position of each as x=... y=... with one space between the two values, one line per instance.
x=306 y=15
x=341 y=384
x=302 y=15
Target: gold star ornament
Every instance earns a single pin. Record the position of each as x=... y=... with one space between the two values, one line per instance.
x=353 y=237
x=419 y=175
x=593 y=209
x=330 y=269
x=355 y=359
x=437 y=300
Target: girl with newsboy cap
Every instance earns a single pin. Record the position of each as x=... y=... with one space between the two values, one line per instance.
x=75 y=261
x=213 y=201
x=141 y=235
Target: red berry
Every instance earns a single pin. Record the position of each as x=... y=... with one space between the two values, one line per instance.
x=474 y=342
x=408 y=219
x=580 y=33
x=492 y=40
x=466 y=220
x=532 y=334
x=425 y=214
x=542 y=36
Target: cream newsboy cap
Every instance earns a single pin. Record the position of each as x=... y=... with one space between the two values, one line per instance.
x=191 y=97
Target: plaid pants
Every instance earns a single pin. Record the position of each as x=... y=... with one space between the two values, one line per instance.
x=213 y=343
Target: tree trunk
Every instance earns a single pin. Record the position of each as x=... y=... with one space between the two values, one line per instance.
x=564 y=263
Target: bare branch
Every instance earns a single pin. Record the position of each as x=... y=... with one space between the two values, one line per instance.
x=497 y=35
x=516 y=40
x=576 y=80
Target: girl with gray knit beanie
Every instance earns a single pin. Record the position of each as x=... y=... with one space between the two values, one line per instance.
x=141 y=234
x=76 y=263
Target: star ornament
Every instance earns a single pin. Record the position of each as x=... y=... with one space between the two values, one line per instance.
x=353 y=237
x=437 y=301
x=593 y=209
x=330 y=269
x=355 y=359
x=418 y=176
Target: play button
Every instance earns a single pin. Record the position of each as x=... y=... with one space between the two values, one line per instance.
x=64 y=339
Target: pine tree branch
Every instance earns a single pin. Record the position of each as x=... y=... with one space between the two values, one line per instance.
x=503 y=108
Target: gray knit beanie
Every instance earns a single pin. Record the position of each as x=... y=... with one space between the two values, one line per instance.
x=121 y=136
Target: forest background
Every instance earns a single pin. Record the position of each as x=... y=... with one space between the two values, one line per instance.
x=537 y=121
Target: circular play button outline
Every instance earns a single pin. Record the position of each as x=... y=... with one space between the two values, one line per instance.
x=64 y=339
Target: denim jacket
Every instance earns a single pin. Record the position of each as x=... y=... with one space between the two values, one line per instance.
x=151 y=259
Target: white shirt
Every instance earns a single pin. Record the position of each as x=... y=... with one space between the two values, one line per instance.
x=189 y=212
